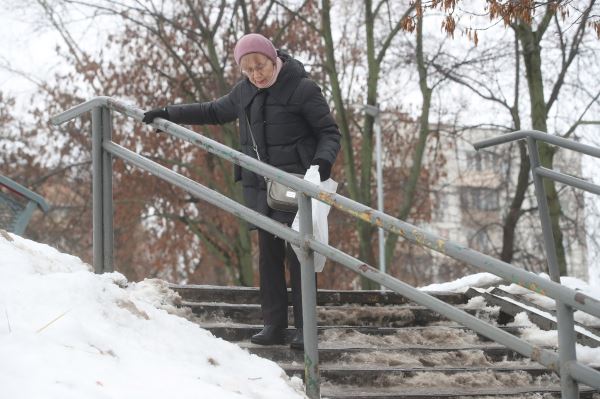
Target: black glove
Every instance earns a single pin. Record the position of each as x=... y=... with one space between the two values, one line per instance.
x=155 y=113
x=324 y=168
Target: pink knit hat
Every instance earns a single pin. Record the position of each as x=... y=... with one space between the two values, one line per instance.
x=254 y=43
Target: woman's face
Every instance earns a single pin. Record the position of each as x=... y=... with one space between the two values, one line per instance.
x=258 y=68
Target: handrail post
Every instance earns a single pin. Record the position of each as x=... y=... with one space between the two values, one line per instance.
x=102 y=207
x=566 y=329
x=107 y=194
x=97 y=197
x=309 y=301
x=544 y=212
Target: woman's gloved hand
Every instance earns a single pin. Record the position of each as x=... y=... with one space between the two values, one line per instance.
x=324 y=168
x=155 y=113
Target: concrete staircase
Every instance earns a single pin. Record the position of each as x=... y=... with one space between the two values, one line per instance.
x=379 y=345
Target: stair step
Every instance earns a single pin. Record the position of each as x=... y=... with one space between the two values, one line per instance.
x=391 y=315
x=422 y=356
x=247 y=295
x=469 y=376
x=403 y=392
x=373 y=336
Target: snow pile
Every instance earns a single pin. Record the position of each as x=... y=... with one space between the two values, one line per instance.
x=463 y=284
x=483 y=311
x=533 y=334
x=549 y=303
x=68 y=333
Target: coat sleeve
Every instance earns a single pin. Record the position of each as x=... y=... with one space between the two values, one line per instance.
x=316 y=112
x=217 y=112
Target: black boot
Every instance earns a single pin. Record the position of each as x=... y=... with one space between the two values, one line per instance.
x=298 y=339
x=270 y=335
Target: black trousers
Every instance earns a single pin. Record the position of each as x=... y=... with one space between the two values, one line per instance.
x=273 y=252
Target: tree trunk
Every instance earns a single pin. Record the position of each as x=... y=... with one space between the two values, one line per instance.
x=530 y=44
x=514 y=212
x=338 y=101
x=410 y=187
x=360 y=192
x=366 y=231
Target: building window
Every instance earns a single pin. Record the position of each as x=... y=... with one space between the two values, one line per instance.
x=479 y=198
x=482 y=161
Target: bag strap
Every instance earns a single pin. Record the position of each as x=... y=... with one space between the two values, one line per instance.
x=254 y=146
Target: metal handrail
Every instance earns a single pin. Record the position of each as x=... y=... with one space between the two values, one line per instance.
x=25 y=192
x=19 y=224
x=565 y=321
x=539 y=136
x=105 y=148
x=356 y=209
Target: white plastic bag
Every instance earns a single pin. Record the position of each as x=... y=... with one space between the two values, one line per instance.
x=320 y=210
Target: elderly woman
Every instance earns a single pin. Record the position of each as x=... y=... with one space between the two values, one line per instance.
x=284 y=112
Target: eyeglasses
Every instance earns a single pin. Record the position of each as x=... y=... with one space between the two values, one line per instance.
x=257 y=68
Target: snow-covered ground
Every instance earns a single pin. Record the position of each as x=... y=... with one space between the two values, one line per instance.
x=66 y=332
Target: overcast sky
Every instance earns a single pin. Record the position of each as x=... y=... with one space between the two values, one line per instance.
x=29 y=47
x=26 y=48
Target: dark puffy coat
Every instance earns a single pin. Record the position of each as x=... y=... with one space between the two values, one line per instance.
x=291 y=122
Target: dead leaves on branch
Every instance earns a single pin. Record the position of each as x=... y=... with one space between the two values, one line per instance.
x=596 y=26
x=507 y=11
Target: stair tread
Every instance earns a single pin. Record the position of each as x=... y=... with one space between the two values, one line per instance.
x=242 y=294
x=423 y=348
x=336 y=392
x=208 y=325
x=409 y=306
x=371 y=368
x=209 y=287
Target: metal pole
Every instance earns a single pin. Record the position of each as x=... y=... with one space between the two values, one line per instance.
x=567 y=351
x=544 y=212
x=380 y=191
x=309 y=301
x=564 y=313
x=107 y=194
x=376 y=113
x=20 y=225
x=98 y=246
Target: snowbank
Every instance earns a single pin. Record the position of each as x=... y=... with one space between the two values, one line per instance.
x=66 y=332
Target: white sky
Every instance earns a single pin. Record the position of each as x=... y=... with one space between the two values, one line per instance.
x=25 y=48
x=66 y=332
